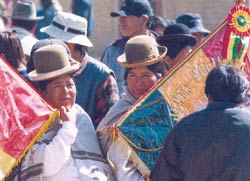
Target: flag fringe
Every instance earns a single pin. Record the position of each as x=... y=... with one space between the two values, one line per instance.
x=42 y=130
x=132 y=156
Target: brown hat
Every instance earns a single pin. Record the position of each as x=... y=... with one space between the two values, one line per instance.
x=52 y=61
x=141 y=50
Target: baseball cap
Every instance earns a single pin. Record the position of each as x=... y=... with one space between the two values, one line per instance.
x=133 y=8
x=193 y=21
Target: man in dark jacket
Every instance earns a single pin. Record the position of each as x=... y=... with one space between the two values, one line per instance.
x=212 y=144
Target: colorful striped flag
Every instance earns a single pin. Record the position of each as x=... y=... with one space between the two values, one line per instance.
x=183 y=89
x=24 y=117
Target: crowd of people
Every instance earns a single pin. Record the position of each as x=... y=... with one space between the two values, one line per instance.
x=49 y=48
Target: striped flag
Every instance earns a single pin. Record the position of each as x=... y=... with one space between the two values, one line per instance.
x=24 y=117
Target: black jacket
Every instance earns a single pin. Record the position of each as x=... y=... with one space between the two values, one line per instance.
x=209 y=145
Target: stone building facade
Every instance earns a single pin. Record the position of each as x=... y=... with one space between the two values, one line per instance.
x=106 y=30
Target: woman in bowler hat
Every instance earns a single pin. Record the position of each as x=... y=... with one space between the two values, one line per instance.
x=69 y=150
x=143 y=65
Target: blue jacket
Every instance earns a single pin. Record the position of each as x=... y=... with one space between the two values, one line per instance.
x=109 y=57
x=94 y=75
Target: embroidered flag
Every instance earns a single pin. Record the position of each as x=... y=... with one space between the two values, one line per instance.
x=24 y=116
x=142 y=129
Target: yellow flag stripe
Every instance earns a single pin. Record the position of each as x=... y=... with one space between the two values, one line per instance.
x=6 y=163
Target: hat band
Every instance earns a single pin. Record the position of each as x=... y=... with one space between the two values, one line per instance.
x=70 y=30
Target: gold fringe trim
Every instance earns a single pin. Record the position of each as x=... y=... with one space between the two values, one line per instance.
x=42 y=130
x=132 y=156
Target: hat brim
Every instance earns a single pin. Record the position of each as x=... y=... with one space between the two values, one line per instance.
x=34 y=76
x=66 y=36
x=123 y=61
x=200 y=29
x=162 y=40
x=27 y=19
x=118 y=13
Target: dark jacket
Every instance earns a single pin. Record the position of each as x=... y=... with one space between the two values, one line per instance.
x=209 y=145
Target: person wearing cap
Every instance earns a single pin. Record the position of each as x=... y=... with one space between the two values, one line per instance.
x=143 y=65
x=195 y=24
x=179 y=41
x=69 y=149
x=24 y=21
x=211 y=144
x=133 y=18
x=95 y=82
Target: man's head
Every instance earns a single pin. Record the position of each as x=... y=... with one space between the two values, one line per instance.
x=194 y=23
x=226 y=83
x=134 y=15
x=179 y=41
x=24 y=15
x=157 y=24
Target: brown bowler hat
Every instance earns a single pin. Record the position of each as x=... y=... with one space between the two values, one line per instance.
x=141 y=50
x=52 y=61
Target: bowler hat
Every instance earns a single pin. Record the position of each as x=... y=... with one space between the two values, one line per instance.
x=134 y=8
x=177 y=33
x=52 y=61
x=193 y=21
x=42 y=43
x=141 y=50
x=70 y=28
x=25 y=10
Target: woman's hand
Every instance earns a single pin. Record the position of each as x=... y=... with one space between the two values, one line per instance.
x=68 y=114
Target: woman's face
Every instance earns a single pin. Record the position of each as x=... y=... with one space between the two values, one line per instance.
x=140 y=80
x=61 y=92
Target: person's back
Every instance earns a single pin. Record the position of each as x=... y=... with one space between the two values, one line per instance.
x=212 y=144
x=133 y=17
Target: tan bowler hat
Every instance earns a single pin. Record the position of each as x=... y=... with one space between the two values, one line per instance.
x=141 y=50
x=52 y=61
